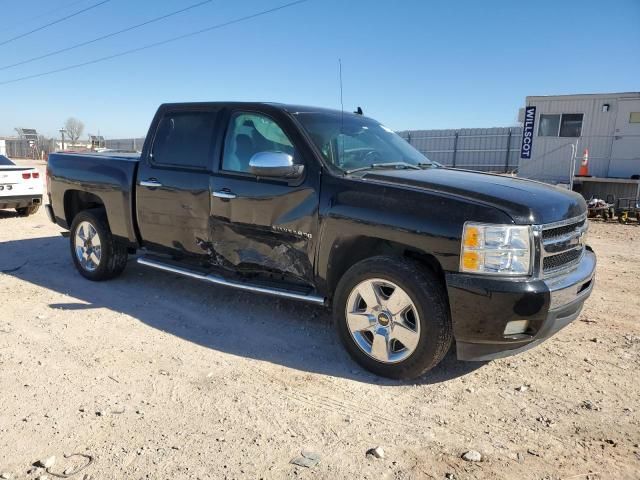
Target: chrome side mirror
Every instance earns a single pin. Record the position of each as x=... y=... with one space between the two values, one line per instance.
x=274 y=164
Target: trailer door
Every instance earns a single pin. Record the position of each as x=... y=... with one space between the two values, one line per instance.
x=625 y=151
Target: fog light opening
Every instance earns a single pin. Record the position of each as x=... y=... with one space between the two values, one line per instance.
x=515 y=327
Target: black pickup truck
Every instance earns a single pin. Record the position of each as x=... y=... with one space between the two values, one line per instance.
x=335 y=209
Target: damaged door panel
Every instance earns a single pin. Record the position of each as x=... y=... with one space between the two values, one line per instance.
x=266 y=228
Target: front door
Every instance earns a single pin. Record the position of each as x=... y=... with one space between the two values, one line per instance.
x=625 y=151
x=173 y=196
x=263 y=226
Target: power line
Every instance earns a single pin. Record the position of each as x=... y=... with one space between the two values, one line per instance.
x=54 y=22
x=108 y=35
x=48 y=12
x=156 y=44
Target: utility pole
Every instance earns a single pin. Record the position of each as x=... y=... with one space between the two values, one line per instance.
x=62 y=132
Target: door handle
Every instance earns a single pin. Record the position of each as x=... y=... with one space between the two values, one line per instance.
x=224 y=194
x=150 y=182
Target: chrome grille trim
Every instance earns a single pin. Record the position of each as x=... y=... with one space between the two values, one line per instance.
x=563 y=223
x=562 y=245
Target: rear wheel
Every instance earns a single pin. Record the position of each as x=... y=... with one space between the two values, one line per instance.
x=392 y=316
x=96 y=254
x=26 y=211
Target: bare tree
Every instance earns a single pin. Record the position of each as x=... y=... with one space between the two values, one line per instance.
x=74 y=128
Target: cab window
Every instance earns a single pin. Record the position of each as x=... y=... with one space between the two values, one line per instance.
x=184 y=139
x=251 y=133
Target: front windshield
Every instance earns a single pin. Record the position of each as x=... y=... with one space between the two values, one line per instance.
x=353 y=142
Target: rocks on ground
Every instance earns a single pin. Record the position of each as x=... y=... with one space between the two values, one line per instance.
x=46 y=462
x=472 y=456
x=377 y=452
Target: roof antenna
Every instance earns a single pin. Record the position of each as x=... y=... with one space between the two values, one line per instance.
x=341 y=113
x=359 y=111
x=340 y=76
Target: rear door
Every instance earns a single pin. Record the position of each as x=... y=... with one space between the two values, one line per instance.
x=259 y=225
x=172 y=193
x=625 y=151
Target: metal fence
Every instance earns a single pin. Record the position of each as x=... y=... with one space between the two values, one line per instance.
x=482 y=149
x=18 y=148
x=131 y=144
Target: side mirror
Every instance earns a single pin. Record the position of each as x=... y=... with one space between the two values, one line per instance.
x=274 y=164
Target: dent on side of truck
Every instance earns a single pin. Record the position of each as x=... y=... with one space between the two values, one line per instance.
x=266 y=231
x=258 y=251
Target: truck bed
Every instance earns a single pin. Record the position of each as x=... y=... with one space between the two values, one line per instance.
x=109 y=176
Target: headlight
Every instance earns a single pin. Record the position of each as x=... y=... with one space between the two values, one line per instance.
x=496 y=249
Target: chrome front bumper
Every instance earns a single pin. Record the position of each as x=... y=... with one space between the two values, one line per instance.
x=573 y=286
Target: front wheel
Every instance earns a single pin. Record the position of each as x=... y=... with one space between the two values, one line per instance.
x=96 y=254
x=392 y=316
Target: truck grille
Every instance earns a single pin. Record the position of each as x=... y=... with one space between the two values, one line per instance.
x=563 y=244
x=555 y=232
x=562 y=259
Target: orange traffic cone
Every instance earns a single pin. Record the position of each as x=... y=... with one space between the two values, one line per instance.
x=584 y=166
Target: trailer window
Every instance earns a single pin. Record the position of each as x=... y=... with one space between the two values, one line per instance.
x=549 y=125
x=634 y=117
x=560 y=125
x=571 y=125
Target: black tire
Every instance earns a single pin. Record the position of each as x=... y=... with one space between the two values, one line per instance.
x=427 y=294
x=26 y=211
x=114 y=254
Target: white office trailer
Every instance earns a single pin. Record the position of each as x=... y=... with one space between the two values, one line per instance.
x=558 y=129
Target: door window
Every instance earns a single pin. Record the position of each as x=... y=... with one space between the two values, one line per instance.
x=184 y=139
x=251 y=133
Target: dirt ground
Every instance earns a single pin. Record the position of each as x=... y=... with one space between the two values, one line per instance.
x=156 y=377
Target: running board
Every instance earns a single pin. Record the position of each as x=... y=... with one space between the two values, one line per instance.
x=217 y=280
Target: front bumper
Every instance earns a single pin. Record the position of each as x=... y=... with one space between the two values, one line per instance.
x=481 y=307
x=20 y=201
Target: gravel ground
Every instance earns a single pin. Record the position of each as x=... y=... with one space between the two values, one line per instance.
x=155 y=376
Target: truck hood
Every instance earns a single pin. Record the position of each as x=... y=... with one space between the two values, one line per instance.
x=525 y=201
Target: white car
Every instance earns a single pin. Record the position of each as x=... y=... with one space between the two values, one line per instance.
x=20 y=187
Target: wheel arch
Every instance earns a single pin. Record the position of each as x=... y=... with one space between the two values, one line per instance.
x=75 y=201
x=348 y=251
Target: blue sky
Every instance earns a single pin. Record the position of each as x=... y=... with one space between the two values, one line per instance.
x=410 y=64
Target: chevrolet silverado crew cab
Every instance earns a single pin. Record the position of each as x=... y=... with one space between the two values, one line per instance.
x=335 y=209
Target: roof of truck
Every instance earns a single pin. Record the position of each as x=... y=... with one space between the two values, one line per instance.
x=290 y=108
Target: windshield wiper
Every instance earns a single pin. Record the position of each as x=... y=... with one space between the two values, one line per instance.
x=397 y=165
x=428 y=164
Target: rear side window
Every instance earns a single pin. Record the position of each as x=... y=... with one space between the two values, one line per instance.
x=184 y=139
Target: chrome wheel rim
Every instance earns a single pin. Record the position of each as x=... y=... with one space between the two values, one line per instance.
x=383 y=320
x=87 y=246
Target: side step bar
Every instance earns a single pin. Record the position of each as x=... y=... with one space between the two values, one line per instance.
x=217 y=280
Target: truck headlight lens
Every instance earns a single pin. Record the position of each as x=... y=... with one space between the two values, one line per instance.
x=496 y=249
